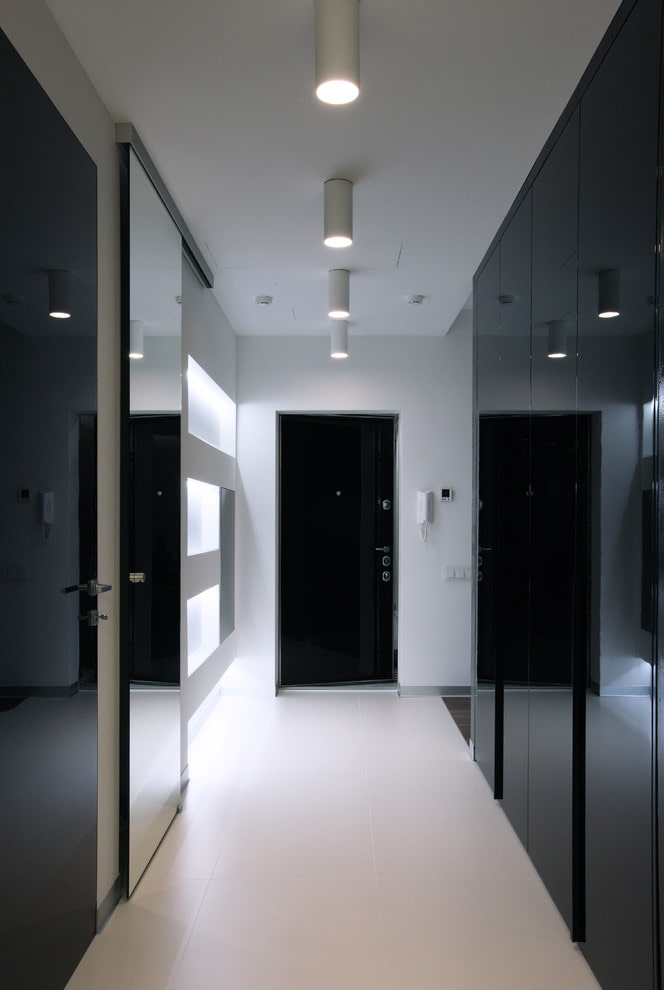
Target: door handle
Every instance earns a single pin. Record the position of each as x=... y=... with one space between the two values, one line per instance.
x=382 y=549
x=92 y=587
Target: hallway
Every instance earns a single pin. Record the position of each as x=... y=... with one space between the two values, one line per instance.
x=342 y=841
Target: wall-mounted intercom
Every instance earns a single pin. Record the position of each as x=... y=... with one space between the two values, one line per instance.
x=424 y=507
x=424 y=512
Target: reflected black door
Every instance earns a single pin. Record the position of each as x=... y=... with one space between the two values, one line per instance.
x=337 y=549
x=155 y=549
x=48 y=391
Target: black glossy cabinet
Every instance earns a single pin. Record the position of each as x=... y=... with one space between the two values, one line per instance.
x=565 y=720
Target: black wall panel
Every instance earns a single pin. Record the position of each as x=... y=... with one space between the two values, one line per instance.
x=572 y=716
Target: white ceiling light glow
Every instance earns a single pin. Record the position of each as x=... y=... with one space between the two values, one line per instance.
x=59 y=291
x=337 y=51
x=339 y=285
x=339 y=339
x=608 y=294
x=557 y=344
x=338 y=213
x=136 y=339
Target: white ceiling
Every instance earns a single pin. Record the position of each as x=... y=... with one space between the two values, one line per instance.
x=457 y=99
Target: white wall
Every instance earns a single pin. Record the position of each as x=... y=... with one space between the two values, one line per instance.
x=427 y=382
x=30 y=27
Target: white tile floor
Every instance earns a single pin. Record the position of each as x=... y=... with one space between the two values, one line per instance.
x=336 y=841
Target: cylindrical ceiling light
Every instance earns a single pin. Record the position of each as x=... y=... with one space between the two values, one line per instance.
x=337 y=50
x=59 y=294
x=557 y=345
x=338 y=213
x=136 y=336
x=339 y=285
x=608 y=294
x=339 y=339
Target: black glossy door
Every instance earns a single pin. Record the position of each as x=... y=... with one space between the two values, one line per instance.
x=337 y=549
x=618 y=230
x=48 y=391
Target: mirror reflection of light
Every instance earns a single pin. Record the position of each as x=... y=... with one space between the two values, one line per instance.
x=212 y=413
x=648 y=428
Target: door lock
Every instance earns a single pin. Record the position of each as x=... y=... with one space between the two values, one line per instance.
x=387 y=560
x=92 y=617
x=386 y=575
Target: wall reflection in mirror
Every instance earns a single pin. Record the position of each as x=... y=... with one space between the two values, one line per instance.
x=155 y=373
x=48 y=537
x=565 y=365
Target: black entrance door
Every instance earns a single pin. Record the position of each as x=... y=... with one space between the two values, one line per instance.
x=336 y=549
x=48 y=524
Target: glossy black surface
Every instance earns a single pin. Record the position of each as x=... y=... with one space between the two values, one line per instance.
x=155 y=549
x=577 y=739
x=48 y=711
x=617 y=229
x=337 y=476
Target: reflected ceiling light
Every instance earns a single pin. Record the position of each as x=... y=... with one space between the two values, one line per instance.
x=557 y=346
x=338 y=213
x=59 y=292
x=337 y=50
x=136 y=335
x=608 y=295
x=339 y=339
x=339 y=285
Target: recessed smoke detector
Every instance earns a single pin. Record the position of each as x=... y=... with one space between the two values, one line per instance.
x=263 y=301
x=415 y=300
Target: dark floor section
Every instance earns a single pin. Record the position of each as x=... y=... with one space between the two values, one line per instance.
x=459 y=709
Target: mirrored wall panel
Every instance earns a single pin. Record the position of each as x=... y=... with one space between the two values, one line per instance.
x=50 y=599
x=155 y=380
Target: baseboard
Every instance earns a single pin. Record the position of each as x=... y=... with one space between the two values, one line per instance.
x=621 y=690
x=445 y=690
x=108 y=905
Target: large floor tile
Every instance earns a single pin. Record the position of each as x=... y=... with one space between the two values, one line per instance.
x=285 y=935
x=500 y=934
x=432 y=825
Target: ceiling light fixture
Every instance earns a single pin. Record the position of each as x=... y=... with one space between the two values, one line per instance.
x=136 y=339
x=338 y=213
x=339 y=286
x=608 y=293
x=59 y=292
x=557 y=345
x=337 y=51
x=339 y=339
